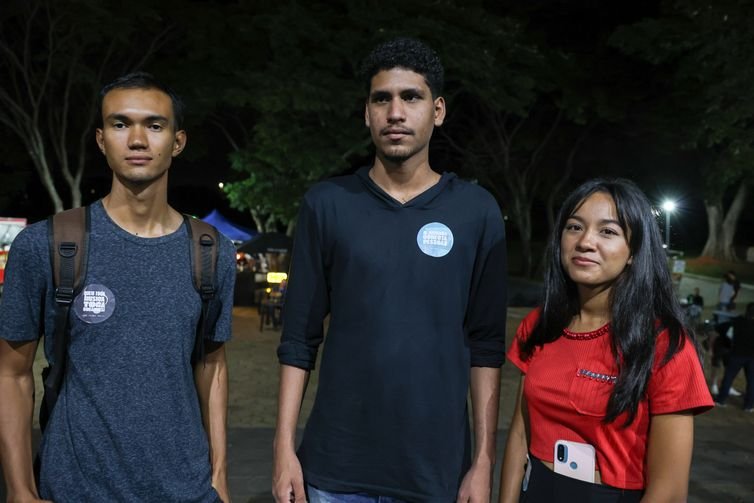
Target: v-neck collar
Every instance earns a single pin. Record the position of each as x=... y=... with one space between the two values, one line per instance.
x=418 y=200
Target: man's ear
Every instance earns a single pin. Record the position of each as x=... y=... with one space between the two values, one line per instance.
x=439 y=110
x=366 y=115
x=179 y=143
x=99 y=139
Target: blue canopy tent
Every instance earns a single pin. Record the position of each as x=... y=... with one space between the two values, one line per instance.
x=236 y=233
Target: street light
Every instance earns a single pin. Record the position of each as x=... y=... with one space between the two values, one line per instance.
x=668 y=206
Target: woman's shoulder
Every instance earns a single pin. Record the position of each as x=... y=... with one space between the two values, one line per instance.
x=527 y=324
x=663 y=343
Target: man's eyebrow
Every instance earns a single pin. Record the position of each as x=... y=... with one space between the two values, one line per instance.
x=127 y=119
x=157 y=118
x=118 y=117
x=379 y=94
x=411 y=91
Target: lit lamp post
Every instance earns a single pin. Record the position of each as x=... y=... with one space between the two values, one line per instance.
x=668 y=206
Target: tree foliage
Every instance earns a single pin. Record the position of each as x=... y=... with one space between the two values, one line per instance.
x=278 y=83
x=705 y=49
x=305 y=98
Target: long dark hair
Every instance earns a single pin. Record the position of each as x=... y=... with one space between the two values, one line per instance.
x=642 y=301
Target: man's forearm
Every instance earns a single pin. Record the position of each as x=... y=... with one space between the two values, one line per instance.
x=293 y=381
x=211 y=379
x=485 y=399
x=16 y=412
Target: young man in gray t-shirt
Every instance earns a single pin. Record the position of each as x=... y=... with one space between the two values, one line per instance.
x=135 y=420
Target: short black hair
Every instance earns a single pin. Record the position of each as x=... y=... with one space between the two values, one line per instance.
x=408 y=53
x=144 y=80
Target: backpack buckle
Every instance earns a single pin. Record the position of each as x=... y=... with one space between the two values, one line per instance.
x=206 y=240
x=67 y=249
x=207 y=291
x=63 y=295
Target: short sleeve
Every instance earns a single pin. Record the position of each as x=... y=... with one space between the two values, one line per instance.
x=226 y=278
x=27 y=278
x=679 y=385
x=522 y=333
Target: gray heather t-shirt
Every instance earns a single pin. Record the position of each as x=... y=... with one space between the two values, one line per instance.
x=127 y=425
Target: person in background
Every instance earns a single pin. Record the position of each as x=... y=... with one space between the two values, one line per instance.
x=741 y=356
x=605 y=361
x=694 y=308
x=728 y=292
x=695 y=298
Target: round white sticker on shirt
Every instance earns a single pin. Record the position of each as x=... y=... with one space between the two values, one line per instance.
x=94 y=304
x=435 y=239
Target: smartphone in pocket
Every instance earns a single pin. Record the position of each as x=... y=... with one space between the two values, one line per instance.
x=575 y=460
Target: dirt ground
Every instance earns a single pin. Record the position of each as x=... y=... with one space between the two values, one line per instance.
x=253 y=372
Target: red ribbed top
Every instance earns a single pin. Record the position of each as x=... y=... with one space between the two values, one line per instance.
x=567 y=386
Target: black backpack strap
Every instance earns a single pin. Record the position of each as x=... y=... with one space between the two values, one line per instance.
x=68 y=235
x=204 y=239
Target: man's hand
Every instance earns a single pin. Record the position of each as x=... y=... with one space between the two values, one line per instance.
x=287 y=478
x=476 y=485
x=220 y=485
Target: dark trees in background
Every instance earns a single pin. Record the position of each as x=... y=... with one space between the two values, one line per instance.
x=54 y=56
x=529 y=90
x=508 y=98
x=704 y=52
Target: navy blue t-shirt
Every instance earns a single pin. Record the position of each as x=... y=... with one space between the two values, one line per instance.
x=416 y=295
x=127 y=425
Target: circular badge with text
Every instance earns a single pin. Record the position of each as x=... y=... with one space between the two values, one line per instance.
x=435 y=239
x=94 y=304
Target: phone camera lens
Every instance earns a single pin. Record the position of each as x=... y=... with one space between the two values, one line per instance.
x=561 y=453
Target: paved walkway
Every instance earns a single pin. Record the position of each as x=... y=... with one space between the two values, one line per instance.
x=722 y=469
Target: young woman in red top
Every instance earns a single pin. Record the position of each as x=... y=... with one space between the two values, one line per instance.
x=606 y=360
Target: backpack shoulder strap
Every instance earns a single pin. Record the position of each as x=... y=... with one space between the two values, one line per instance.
x=68 y=236
x=69 y=243
x=204 y=239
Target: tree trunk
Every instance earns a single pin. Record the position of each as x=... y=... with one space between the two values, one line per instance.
x=521 y=215
x=269 y=225
x=714 y=225
x=43 y=168
x=524 y=228
x=722 y=225
x=731 y=222
x=257 y=219
x=291 y=227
